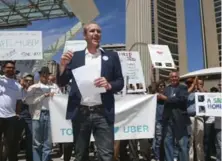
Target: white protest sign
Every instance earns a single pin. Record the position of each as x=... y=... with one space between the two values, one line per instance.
x=75 y=45
x=132 y=70
x=161 y=56
x=134 y=118
x=21 y=45
x=208 y=104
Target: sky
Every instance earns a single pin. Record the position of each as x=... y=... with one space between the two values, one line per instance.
x=112 y=21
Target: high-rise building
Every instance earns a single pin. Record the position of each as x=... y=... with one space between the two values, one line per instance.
x=156 y=22
x=211 y=32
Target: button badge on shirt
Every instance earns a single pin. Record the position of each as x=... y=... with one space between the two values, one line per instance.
x=105 y=58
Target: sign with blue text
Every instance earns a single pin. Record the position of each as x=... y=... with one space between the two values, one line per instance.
x=134 y=118
x=208 y=104
x=21 y=45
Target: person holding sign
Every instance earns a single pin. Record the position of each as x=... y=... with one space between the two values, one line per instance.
x=93 y=114
x=37 y=98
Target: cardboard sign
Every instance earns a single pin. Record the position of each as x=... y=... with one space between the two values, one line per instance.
x=161 y=56
x=21 y=45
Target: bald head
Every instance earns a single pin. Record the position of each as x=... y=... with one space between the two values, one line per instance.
x=174 y=78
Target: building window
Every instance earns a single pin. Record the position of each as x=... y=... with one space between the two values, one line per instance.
x=173 y=47
x=168 y=2
x=217 y=9
x=218 y=20
x=218 y=14
x=166 y=10
x=172 y=8
x=165 y=32
x=165 y=37
x=164 y=15
x=169 y=28
x=166 y=21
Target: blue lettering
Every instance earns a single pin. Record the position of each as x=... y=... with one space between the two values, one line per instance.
x=126 y=129
x=69 y=131
x=133 y=129
x=214 y=106
x=66 y=131
x=145 y=128
x=63 y=131
x=139 y=128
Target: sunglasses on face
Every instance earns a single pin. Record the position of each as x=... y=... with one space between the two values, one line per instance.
x=28 y=80
x=10 y=67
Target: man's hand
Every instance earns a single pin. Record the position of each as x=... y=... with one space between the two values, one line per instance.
x=161 y=97
x=52 y=94
x=17 y=116
x=49 y=94
x=102 y=82
x=66 y=58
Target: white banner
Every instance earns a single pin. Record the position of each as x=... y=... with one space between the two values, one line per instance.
x=132 y=70
x=208 y=104
x=134 y=119
x=20 y=45
x=161 y=56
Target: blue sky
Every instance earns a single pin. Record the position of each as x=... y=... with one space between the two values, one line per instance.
x=112 y=21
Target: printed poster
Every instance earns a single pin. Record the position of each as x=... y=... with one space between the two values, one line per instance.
x=208 y=104
x=132 y=71
x=161 y=56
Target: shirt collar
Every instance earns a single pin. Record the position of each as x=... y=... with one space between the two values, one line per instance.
x=98 y=52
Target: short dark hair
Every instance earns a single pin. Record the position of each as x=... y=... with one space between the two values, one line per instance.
x=214 y=89
x=85 y=27
x=29 y=75
x=8 y=62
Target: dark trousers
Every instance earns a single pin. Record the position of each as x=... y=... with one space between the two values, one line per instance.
x=25 y=123
x=67 y=151
x=8 y=129
x=88 y=122
x=133 y=150
x=209 y=138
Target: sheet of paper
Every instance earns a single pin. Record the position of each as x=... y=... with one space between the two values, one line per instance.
x=85 y=77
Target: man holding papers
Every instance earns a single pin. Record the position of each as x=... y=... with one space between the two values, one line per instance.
x=92 y=110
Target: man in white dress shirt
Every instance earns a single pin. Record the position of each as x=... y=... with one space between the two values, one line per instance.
x=94 y=114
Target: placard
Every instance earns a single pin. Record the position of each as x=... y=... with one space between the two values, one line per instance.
x=75 y=45
x=132 y=71
x=208 y=104
x=161 y=56
x=21 y=45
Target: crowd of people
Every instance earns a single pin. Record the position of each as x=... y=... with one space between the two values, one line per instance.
x=179 y=133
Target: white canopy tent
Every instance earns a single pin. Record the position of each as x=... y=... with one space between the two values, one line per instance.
x=203 y=72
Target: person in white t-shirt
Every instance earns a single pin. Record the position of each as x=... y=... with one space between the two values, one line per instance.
x=37 y=99
x=54 y=87
x=10 y=98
